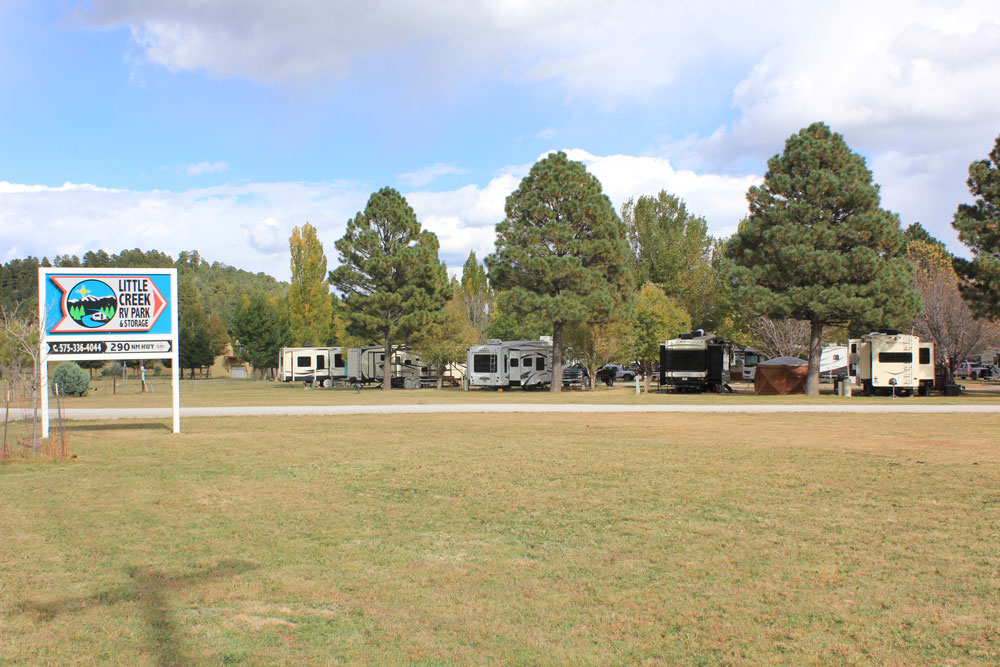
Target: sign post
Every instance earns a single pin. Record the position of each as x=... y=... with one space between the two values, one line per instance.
x=107 y=314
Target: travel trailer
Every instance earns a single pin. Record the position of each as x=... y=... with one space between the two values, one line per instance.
x=321 y=366
x=326 y=366
x=513 y=363
x=366 y=365
x=833 y=361
x=890 y=362
x=696 y=362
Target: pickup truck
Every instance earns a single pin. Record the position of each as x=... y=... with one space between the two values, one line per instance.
x=576 y=376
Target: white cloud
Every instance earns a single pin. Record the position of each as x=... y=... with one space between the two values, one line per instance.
x=547 y=134
x=206 y=168
x=720 y=198
x=246 y=226
x=421 y=177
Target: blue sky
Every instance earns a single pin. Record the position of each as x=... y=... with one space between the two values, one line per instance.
x=180 y=124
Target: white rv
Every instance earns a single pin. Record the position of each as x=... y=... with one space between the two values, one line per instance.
x=833 y=361
x=366 y=365
x=513 y=363
x=321 y=366
x=890 y=362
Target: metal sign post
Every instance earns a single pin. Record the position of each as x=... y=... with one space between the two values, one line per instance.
x=107 y=314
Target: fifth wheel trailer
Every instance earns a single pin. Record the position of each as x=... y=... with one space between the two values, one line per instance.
x=696 y=362
x=512 y=363
x=890 y=362
x=313 y=365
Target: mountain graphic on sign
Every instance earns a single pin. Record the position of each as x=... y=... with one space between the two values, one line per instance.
x=92 y=304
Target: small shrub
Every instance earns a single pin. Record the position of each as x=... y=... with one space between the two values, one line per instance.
x=72 y=380
x=113 y=369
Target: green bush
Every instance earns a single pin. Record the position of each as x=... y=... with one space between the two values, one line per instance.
x=72 y=380
x=112 y=369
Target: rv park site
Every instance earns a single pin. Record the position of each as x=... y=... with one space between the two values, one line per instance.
x=680 y=538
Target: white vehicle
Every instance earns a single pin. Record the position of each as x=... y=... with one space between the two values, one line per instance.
x=366 y=365
x=513 y=363
x=890 y=362
x=744 y=366
x=833 y=361
x=313 y=365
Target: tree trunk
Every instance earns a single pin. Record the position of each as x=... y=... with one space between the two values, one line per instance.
x=440 y=378
x=387 y=363
x=815 y=352
x=557 y=330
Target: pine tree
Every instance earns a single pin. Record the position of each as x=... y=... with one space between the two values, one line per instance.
x=194 y=346
x=309 y=305
x=818 y=247
x=560 y=252
x=258 y=332
x=978 y=226
x=390 y=276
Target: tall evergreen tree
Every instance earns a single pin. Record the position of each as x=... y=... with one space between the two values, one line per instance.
x=390 y=276
x=978 y=226
x=194 y=347
x=309 y=307
x=259 y=333
x=817 y=245
x=561 y=251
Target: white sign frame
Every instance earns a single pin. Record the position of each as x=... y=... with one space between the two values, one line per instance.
x=127 y=336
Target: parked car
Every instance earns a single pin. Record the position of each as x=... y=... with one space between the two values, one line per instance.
x=576 y=376
x=985 y=372
x=964 y=370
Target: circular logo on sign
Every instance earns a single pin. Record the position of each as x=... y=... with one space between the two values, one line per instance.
x=92 y=304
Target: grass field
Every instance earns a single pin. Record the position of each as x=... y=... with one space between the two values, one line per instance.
x=241 y=392
x=552 y=539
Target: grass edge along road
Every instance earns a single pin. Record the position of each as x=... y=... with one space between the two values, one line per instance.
x=509 y=538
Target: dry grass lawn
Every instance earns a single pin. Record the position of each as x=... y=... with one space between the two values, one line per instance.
x=218 y=392
x=553 y=539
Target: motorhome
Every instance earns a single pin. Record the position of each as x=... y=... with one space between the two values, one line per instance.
x=513 y=363
x=890 y=362
x=696 y=362
x=321 y=366
x=745 y=360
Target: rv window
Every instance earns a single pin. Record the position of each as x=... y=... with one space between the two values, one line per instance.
x=527 y=362
x=925 y=355
x=895 y=358
x=338 y=360
x=540 y=364
x=854 y=348
x=751 y=360
x=484 y=363
x=381 y=357
x=320 y=363
x=686 y=360
x=303 y=362
x=514 y=362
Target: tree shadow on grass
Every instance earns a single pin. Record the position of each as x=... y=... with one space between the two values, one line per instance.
x=149 y=588
x=139 y=426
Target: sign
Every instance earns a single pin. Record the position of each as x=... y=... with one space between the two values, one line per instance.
x=108 y=314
